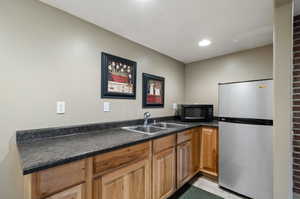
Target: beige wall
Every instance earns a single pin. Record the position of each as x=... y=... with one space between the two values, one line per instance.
x=202 y=78
x=47 y=56
x=282 y=101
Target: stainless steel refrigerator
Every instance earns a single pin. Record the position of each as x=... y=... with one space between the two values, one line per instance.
x=245 y=139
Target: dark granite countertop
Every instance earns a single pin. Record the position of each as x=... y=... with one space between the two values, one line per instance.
x=48 y=152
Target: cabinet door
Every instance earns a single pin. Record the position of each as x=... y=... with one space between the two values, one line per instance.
x=196 y=150
x=130 y=182
x=184 y=163
x=164 y=173
x=77 y=192
x=209 y=151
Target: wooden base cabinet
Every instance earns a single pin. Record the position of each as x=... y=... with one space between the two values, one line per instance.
x=184 y=163
x=150 y=170
x=130 y=182
x=164 y=174
x=209 y=151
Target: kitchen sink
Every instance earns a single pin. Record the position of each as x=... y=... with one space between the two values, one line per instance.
x=166 y=125
x=153 y=128
x=144 y=129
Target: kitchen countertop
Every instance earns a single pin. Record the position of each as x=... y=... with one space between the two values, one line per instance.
x=45 y=153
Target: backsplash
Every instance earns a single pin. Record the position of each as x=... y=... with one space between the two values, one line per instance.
x=37 y=134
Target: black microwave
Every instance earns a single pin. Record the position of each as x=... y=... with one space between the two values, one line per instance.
x=196 y=112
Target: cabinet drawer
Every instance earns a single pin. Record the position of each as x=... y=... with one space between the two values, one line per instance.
x=121 y=157
x=184 y=136
x=164 y=143
x=59 y=178
x=77 y=192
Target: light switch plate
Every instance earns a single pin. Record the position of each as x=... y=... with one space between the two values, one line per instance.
x=174 y=106
x=60 y=107
x=106 y=106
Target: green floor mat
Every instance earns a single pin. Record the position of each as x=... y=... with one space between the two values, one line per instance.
x=191 y=192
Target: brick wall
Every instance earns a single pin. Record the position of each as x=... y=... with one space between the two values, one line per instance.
x=296 y=105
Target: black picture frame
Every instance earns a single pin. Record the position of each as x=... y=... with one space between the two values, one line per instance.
x=146 y=79
x=105 y=60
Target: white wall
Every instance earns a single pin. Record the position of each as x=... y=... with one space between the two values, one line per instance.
x=283 y=41
x=47 y=56
x=202 y=78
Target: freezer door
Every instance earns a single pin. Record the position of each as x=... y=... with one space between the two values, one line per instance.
x=246 y=159
x=246 y=100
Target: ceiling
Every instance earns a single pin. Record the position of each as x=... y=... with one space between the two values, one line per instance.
x=174 y=27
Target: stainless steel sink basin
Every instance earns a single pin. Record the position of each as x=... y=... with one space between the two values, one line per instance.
x=166 y=125
x=153 y=128
x=144 y=129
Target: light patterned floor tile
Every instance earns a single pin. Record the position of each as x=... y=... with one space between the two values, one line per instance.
x=212 y=187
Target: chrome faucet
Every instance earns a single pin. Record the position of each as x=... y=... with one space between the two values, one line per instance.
x=147 y=115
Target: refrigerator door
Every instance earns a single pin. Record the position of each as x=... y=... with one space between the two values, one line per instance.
x=246 y=160
x=246 y=100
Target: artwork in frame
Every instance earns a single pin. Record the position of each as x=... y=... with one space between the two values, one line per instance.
x=118 y=77
x=153 y=91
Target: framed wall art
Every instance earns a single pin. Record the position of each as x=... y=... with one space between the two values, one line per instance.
x=118 y=77
x=153 y=91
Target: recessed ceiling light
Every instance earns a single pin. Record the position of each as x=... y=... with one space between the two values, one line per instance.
x=204 y=42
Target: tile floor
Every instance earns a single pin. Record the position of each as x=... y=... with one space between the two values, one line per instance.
x=209 y=186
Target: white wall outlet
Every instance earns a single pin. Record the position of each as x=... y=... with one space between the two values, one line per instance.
x=60 y=107
x=174 y=106
x=106 y=107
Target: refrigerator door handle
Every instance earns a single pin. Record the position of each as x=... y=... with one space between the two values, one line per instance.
x=252 y=121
